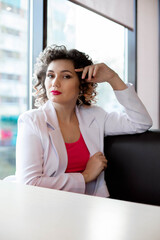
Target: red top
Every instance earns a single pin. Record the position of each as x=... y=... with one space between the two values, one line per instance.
x=78 y=156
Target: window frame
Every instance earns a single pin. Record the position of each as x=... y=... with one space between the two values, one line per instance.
x=132 y=51
x=37 y=38
x=38 y=41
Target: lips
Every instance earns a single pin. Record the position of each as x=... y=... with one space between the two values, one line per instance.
x=54 y=92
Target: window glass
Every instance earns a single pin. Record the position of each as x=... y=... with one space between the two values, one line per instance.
x=13 y=77
x=104 y=41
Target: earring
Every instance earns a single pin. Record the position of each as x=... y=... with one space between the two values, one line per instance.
x=79 y=97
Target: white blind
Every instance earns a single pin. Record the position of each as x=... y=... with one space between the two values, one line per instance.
x=119 y=11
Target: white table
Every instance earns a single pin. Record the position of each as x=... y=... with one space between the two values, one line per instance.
x=34 y=213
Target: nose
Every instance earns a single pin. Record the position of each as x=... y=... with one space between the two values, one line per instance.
x=56 y=82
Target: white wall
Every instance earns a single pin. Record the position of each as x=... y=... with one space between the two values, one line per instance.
x=147 y=57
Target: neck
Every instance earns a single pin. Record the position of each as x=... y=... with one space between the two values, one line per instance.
x=65 y=114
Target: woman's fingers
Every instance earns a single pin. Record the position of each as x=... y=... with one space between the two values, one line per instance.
x=96 y=164
x=78 y=69
x=102 y=158
x=104 y=161
x=83 y=70
x=88 y=71
x=95 y=70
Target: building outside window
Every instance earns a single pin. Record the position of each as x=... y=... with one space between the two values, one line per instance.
x=13 y=77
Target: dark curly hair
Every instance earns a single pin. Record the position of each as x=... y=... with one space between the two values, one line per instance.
x=79 y=59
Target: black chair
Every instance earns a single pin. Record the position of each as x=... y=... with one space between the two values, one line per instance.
x=133 y=172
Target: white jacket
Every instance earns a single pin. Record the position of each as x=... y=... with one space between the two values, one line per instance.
x=41 y=157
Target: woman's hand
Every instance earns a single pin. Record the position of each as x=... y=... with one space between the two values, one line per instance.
x=96 y=164
x=102 y=73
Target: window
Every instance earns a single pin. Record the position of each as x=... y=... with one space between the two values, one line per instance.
x=67 y=24
x=13 y=77
x=104 y=40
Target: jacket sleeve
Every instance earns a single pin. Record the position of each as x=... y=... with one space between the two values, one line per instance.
x=30 y=162
x=134 y=118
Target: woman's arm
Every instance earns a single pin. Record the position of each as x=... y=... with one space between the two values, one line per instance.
x=96 y=164
x=102 y=73
x=135 y=118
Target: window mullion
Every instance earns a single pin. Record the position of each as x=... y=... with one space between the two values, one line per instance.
x=36 y=39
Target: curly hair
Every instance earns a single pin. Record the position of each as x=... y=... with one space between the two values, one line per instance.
x=87 y=91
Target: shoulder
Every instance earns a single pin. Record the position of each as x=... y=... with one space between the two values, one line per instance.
x=33 y=121
x=93 y=109
x=92 y=113
x=33 y=114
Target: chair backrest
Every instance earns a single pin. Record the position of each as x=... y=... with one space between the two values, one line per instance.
x=133 y=171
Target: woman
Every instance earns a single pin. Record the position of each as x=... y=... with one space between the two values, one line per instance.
x=60 y=144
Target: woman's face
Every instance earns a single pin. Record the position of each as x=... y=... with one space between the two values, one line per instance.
x=62 y=83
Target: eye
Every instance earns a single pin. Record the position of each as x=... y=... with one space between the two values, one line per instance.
x=67 y=76
x=49 y=75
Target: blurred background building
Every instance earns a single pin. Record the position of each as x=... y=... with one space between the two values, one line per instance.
x=13 y=77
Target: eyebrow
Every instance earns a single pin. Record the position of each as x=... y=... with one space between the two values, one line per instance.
x=61 y=71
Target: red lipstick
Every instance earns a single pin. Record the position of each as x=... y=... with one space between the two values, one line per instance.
x=54 y=92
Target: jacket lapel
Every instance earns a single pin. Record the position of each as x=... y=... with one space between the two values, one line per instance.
x=89 y=129
x=55 y=136
x=91 y=135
